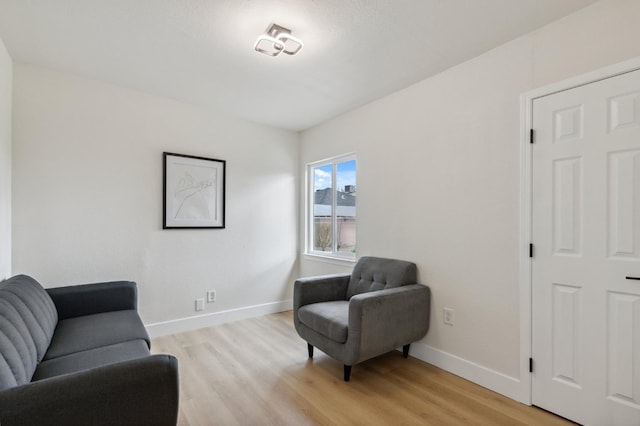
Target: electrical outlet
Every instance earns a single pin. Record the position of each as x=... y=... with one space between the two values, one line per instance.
x=211 y=296
x=199 y=304
x=448 y=316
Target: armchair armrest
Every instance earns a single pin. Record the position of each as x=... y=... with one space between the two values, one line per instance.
x=387 y=319
x=88 y=299
x=324 y=288
x=140 y=391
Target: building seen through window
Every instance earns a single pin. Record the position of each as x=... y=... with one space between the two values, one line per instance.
x=332 y=223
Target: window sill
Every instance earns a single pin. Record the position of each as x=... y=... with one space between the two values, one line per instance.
x=336 y=260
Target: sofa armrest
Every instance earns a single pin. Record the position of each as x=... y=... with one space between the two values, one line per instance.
x=88 y=299
x=387 y=319
x=324 y=288
x=140 y=391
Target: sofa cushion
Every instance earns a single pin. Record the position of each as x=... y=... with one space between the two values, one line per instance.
x=375 y=273
x=331 y=319
x=28 y=319
x=94 y=331
x=92 y=358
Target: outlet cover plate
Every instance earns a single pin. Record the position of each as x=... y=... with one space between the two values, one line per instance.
x=199 y=304
x=448 y=316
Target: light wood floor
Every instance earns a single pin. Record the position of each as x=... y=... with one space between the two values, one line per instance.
x=256 y=372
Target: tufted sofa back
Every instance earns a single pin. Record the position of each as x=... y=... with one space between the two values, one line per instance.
x=376 y=273
x=28 y=319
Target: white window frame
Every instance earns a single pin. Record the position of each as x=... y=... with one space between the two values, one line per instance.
x=309 y=218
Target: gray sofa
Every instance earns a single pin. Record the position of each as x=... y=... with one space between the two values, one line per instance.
x=80 y=355
x=354 y=317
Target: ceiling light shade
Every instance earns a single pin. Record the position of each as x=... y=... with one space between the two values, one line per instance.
x=268 y=45
x=278 y=40
x=292 y=45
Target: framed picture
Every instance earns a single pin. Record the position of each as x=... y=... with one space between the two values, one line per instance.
x=193 y=192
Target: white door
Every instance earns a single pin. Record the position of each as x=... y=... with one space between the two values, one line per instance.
x=586 y=257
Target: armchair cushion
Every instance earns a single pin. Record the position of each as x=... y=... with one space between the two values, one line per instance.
x=375 y=273
x=331 y=319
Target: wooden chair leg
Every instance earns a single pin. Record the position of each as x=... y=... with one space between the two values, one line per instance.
x=405 y=350
x=310 y=349
x=347 y=373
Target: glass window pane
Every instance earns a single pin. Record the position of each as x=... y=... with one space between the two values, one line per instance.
x=346 y=207
x=322 y=231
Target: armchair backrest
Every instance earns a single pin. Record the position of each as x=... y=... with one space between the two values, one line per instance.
x=376 y=273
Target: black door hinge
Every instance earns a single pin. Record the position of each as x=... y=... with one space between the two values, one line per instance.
x=530 y=250
x=530 y=365
x=531 y=136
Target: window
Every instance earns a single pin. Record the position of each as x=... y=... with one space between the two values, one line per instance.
x=331 y=223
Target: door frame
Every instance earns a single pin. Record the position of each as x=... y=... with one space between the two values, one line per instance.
x=526 y=205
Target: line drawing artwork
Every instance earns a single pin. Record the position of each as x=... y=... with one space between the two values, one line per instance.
x=195 y=193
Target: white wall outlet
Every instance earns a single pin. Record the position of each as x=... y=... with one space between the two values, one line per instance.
x=448 y=316
x=211 y=296
x=199 y=304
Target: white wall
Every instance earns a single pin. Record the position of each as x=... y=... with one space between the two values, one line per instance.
x=438 y=175
x=87 y=172
x=5 y=161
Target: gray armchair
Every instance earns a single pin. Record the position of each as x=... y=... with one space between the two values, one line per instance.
x=353 y=317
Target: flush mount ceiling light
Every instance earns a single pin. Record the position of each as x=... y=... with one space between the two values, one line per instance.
x=278 y=40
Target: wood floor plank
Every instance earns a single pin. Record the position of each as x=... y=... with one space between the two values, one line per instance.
x=256 y=372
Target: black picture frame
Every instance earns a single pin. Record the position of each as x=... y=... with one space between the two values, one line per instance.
x=193 y=192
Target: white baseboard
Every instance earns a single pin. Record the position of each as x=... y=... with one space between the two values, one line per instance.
x=200 y=321
x=508 y=386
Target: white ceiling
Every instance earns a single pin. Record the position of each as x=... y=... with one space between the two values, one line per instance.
x=201 y=51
